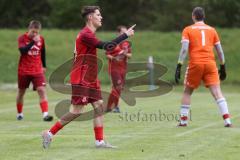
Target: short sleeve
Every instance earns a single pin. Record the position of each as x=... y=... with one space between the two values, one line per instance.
x=89 y=39
x=216 y=39
x=185 y=35
x=21 y=42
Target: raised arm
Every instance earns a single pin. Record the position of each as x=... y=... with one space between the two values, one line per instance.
x=112 y=44
x=23 y=48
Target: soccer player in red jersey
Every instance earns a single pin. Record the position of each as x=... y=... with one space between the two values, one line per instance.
x=200 y=39
x=117 y=68
x=31 y=68
x=85 y=84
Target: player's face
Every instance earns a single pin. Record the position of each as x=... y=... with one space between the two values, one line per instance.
x=32 y=32
x=96 y=18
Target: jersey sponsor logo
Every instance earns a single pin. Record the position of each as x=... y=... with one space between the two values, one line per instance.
x=35 y=50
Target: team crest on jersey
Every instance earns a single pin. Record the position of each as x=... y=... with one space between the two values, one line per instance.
x=35 y=50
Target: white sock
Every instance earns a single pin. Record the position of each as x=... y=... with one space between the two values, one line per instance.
x=50 y=134
x=97 y=142
x=223 y=107
x=45 y=114
x=184 y=113
x=20 y=114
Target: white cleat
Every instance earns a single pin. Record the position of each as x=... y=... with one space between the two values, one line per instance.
x=46 y=139
x=103 y=144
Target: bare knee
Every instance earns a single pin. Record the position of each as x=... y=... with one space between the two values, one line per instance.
x=42 y=93
x=216 y=92
x=21 y=93
x=186 y=99
x=76 y=109
x=98 y=107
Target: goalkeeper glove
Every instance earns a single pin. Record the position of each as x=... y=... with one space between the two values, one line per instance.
x=222 y=72
x=178 y=73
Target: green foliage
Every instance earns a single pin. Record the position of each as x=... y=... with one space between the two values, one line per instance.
x=15 y=13
x=163 y=15
x=67 y=14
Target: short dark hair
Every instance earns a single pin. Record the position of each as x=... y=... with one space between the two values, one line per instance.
x=86 y=10
x=199 y=13
x=120 y=27
x=35 y=24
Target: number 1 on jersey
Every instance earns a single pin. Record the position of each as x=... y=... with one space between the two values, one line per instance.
x=203 y=38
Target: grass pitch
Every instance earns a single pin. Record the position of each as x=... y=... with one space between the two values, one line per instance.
x=141 y=132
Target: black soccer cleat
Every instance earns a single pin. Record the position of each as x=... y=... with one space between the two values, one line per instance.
x=48 y=118
x=229 y=125
x=182 y=125
x=19 y=117
x=116 y=110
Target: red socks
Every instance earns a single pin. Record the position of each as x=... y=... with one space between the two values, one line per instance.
x=98 y=133
x=19 y=107
x=56 y=127
x=113 y=98
x=44 y=106
x=97 y=130
x=225 y=116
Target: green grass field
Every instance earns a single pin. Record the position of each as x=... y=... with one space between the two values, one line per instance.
x=163 y=46
x=144 y=138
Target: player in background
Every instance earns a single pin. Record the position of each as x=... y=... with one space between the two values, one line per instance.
x=117 y=68
x=85 y=84
x=31 y=68
x=199 y=40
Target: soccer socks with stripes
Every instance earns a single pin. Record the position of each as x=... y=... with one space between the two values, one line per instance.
x=44 y=108
x=98 y=133
x=223 y=107
x=184 y=114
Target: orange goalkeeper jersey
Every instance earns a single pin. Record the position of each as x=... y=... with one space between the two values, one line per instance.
x=201 y=38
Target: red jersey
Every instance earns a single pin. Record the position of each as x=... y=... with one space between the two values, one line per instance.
x=121 y=65
x=85 y=68
x=30 y=63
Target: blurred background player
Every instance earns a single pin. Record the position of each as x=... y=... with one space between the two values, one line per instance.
x=31 y=68
x=85 y=84
x=117 y=68
x=199 y=39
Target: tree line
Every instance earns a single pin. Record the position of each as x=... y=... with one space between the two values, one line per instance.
x=161 y=15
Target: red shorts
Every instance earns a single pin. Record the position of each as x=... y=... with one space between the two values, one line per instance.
x=82 y=95
x=195 y=73
x=25 y=80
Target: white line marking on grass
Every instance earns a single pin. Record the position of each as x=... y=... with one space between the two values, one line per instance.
x=201 y=128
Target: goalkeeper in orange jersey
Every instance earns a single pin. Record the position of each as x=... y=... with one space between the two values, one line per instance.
x=199 y=40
